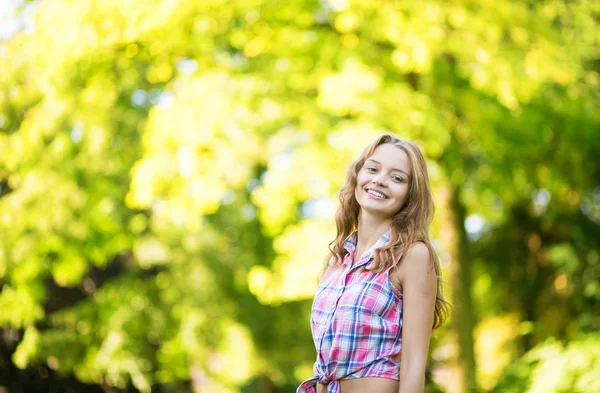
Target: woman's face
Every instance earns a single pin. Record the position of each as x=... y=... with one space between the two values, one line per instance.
x=382 y=184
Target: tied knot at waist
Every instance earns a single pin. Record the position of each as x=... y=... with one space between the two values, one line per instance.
x=333 y=386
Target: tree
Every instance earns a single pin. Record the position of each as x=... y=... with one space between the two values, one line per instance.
x=169 y=169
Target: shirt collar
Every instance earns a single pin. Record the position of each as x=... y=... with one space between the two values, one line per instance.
x=350 y=243
x=350 y=246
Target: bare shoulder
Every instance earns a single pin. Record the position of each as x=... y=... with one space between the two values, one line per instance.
x=415 y=266
x=417 y=259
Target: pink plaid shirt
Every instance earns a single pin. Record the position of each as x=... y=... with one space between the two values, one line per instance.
x=356 y=323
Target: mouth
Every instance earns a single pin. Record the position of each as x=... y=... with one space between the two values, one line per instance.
x=375 y=194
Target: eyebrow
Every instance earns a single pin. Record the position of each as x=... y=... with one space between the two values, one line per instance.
x=394 y=169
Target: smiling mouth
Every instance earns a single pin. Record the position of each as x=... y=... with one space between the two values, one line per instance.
x=375 y=194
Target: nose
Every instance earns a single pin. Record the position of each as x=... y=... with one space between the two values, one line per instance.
x=378 y=180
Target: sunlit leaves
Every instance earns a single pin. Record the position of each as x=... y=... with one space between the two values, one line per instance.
x=315 y=170
x=553 y=367
x=196 y=148
x=495 y=347
x=29 y=347
x=70 y=270
x=149 y=252
x=347 y=92
x=294 y=274
x=235 y=352
x=20 y=307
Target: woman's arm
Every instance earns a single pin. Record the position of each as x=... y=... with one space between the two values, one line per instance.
x=419 y=288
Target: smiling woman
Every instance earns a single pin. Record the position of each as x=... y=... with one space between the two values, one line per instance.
x=384 y=178
x=380 y=294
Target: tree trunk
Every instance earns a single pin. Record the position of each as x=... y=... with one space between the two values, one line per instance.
x=463 y=316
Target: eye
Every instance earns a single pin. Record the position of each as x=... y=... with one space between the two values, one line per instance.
x=369 y=169
x=399 y=179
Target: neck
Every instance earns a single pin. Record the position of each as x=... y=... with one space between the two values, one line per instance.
x=370 y=229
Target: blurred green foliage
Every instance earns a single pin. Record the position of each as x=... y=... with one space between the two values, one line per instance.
x=553 y=367
x=168 y=173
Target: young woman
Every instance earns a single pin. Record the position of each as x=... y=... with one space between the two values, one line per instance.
x=380 y=295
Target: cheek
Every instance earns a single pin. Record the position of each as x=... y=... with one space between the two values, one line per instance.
x=401 y=193
x=360 y=181
x=360 y=177
x=356 y=190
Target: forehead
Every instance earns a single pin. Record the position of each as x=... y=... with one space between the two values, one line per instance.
x=391 y=156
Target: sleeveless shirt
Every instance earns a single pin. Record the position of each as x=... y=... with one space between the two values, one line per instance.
x=356 y=322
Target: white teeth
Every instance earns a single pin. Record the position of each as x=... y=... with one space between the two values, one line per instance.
x=377 y=194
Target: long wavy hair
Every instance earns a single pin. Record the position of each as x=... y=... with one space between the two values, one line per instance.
x=409 y=225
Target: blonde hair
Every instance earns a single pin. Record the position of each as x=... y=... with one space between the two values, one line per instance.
x=409 y=225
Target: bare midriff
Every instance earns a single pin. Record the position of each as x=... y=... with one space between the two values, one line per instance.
x=362 y=385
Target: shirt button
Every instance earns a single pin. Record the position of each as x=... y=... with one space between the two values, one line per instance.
x=332 y=307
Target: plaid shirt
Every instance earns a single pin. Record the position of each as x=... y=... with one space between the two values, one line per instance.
x=356 y=323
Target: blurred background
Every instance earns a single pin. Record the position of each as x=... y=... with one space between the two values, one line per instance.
x=169 y=174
